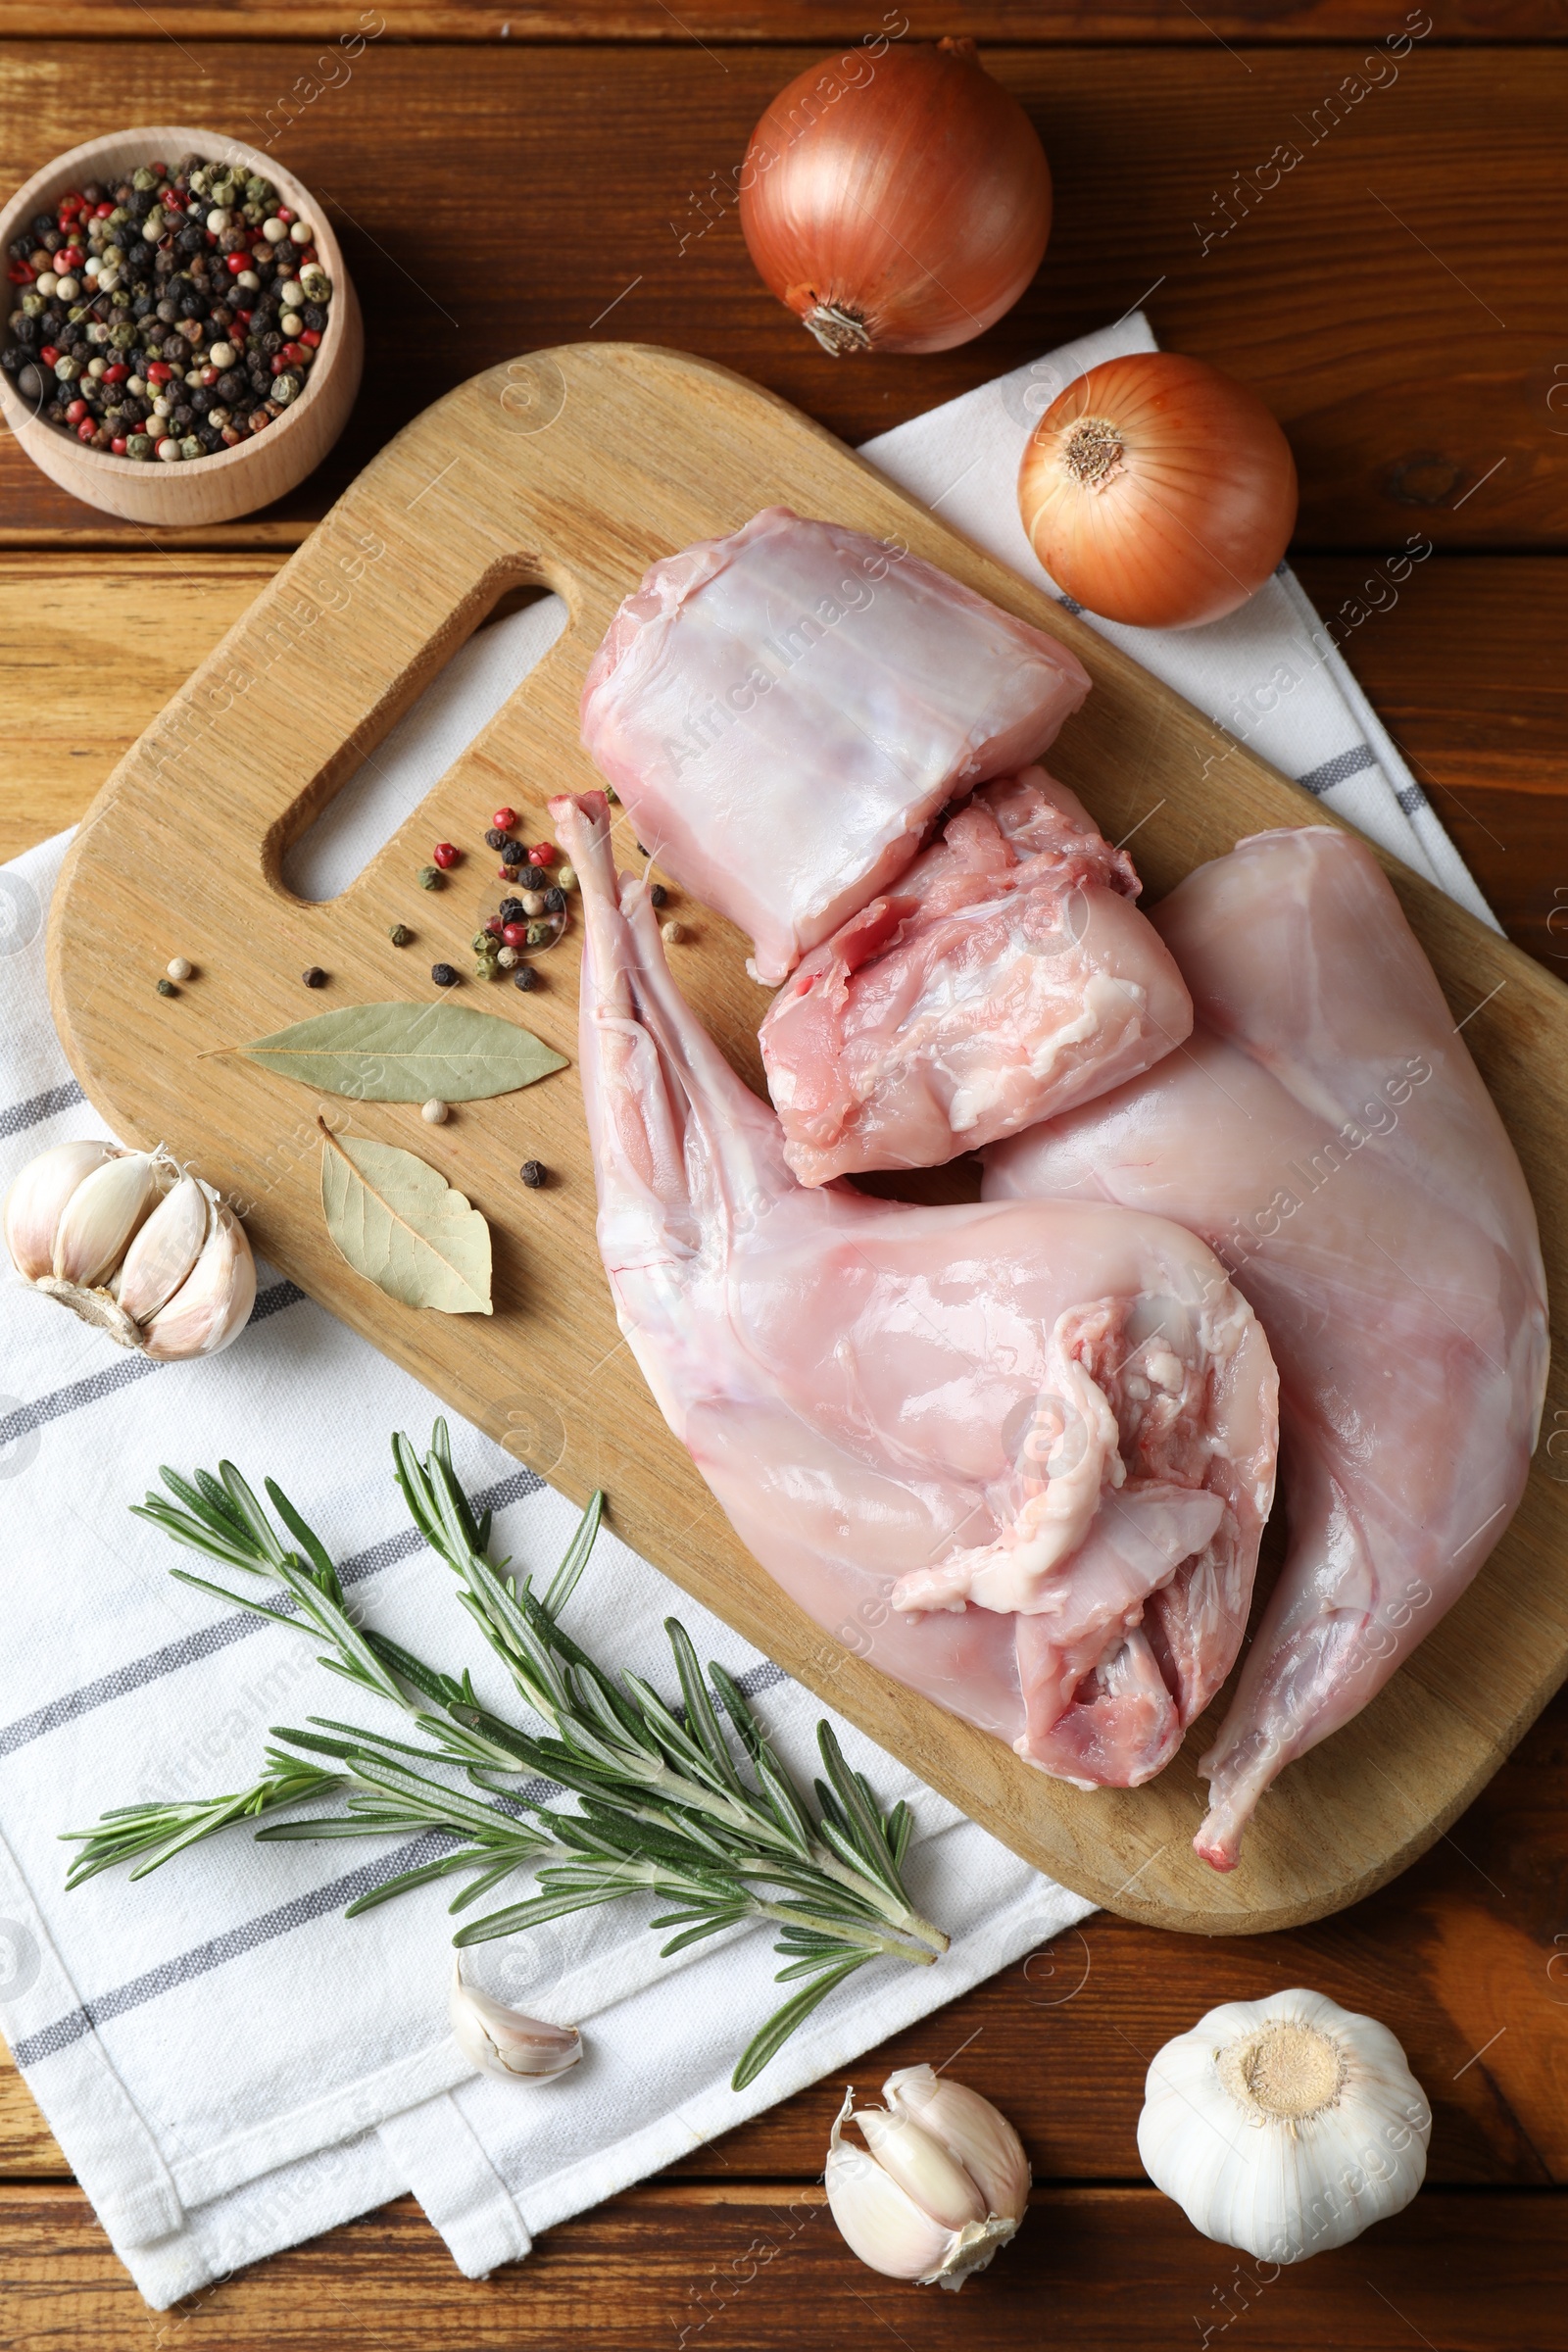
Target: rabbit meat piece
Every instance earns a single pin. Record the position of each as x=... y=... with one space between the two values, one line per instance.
x=1018 y=1455
x=785 y=712
x=1326 y=1132
x=1008 y=977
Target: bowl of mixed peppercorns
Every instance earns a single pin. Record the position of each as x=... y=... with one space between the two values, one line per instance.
x=183 y=343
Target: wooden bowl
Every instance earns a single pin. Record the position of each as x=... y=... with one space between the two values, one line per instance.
x=235 y=481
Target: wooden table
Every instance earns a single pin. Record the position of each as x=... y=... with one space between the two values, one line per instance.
x=506 y=177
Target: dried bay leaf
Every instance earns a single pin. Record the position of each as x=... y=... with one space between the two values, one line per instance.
x=407 y=1053
x=400 y=1224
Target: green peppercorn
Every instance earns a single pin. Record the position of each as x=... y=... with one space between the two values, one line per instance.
x=540 y=934
x=399 y=935
x=167 y=988
x=431 y=879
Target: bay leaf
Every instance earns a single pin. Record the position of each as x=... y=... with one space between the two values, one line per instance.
x=407 y=1053
x=400 y=1224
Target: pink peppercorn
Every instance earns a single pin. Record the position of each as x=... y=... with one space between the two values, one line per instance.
x=504 y=820
x=445 y=854
x=542 y=852
x=492 y=924
x=516 y=935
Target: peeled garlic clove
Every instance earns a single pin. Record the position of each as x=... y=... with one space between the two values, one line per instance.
x=974 y=2133
x=213 y=1304
x=503 y=2041
x=101 y=1215
x=37 y=1199
x=164 y=1251
x=1285 y=2126
x=877 y=2219
x=922 y=2165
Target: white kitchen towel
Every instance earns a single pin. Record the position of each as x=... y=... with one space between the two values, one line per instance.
x=228 y=2064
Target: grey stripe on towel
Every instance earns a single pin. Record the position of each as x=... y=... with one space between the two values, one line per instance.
x=59 y=1402
x=234 y=1941
x=136 y=1673
x=1340 y=769
x=21 y=1115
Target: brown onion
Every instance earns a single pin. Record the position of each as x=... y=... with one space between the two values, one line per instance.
x=899 y=203
x=1158 y=491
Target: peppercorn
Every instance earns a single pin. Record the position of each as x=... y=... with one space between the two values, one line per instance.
x=434 y=1112
x=431 y=879
x=314 y=976
x=496 y=838
x=526 y=977
x=508 y=873
x=505 y=819
x=167 y=988
x=444 y=975
x=532 y=1173
x=178 y=967
x=671 y=933
x=399 y=935
x=513 y=910
x=657 y=894
x=445 y=855
x=542 y=852
x=539 y=935
x=516 y=935
x=555 y=902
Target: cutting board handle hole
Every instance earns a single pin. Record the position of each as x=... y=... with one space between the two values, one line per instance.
x=479 y=676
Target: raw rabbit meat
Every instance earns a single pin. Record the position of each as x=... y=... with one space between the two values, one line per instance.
x=784 y=712
x=1007 y=976
x=1020 y=1455
x=1327 y=1133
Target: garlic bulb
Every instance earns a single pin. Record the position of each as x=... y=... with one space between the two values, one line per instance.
x=502 y=2040
x=134 y=1247
x=945 y=2182
x=1285 y=2126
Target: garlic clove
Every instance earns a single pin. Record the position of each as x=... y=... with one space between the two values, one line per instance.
x=102 y=1214
x=878 y=2219
x=164 y=1251
x=921 y=2163
x=37 y=1199
x=503 y=2041
x=974 y=2133
x=213 y=1305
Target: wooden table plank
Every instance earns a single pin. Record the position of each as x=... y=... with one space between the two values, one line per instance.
x=591 y=199
x=1466 y=668
x=719 y=2268
x=830 y=22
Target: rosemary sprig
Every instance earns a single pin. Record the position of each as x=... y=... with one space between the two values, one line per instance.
x=664 y=1803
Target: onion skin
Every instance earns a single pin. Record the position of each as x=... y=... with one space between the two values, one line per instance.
x=1158 y=491
x=905 y=210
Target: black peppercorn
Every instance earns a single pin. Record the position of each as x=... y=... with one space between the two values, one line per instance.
x=314 y=976
x=513 y=910
x=444 y=975
x=555 y=901
x=532 y=1173
x=314 y=318
x=495 y=839
x=657 y=894
x=526 y=977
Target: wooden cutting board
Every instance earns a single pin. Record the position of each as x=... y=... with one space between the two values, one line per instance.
x=576 y=468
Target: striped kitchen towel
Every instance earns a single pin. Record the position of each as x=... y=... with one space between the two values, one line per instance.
x=228 y=2064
